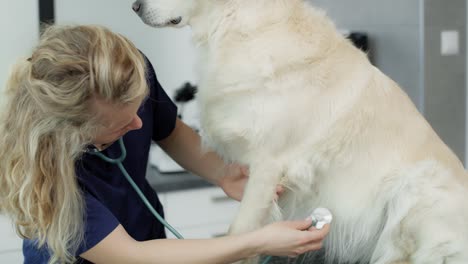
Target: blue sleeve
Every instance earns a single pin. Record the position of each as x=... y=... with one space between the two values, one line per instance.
x=99 y=223
x=164 y=110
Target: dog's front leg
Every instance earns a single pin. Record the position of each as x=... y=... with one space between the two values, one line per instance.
x=257 y=204
x=259 y=195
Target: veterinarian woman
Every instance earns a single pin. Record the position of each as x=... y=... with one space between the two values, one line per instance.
x=85 y=87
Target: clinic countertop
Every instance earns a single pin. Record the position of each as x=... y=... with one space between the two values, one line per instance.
x=177 y=181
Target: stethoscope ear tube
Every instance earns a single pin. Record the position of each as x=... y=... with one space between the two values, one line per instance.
x=118 y=160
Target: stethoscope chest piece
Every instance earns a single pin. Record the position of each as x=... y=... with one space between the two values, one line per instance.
x=321 y=217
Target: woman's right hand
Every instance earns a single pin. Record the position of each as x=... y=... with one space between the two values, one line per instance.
x=290 y=238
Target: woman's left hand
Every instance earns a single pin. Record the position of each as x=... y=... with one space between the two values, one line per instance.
x=233 y=180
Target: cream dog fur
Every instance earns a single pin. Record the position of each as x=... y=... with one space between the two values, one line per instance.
x=282 y=91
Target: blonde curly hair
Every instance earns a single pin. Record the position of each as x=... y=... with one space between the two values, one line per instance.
x=47 y=122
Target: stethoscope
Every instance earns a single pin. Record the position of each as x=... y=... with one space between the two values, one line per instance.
x=320 y=216
x=118 y=161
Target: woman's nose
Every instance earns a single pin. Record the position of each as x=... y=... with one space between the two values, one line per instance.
x=136 y=124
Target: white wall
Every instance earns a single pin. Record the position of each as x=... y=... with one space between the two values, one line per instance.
x=169 y=50
x=20 y=30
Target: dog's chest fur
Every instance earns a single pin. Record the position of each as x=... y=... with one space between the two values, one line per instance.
x=250 y=88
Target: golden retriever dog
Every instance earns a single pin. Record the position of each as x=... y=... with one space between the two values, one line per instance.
x=282 y=91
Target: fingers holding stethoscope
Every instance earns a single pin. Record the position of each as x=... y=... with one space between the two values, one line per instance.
x=291 y=238
x=314 y=240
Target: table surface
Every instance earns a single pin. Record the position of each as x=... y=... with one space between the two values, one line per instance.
x=177 y=181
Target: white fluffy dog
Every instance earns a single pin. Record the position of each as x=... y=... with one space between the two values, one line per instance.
x=282 y=91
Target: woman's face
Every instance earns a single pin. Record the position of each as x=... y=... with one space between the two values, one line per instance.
x=116 y=121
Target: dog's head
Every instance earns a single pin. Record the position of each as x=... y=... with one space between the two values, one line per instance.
x=163 y=13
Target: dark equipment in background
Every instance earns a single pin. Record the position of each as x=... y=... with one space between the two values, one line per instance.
x=360 y=40
x=183 y=95
x=46 y=13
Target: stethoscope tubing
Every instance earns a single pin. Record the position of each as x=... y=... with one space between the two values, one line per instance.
x=118 y=161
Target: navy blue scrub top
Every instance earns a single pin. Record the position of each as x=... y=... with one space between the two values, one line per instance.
x=109 y=198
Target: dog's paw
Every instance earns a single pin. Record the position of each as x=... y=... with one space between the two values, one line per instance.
x=240 y=227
